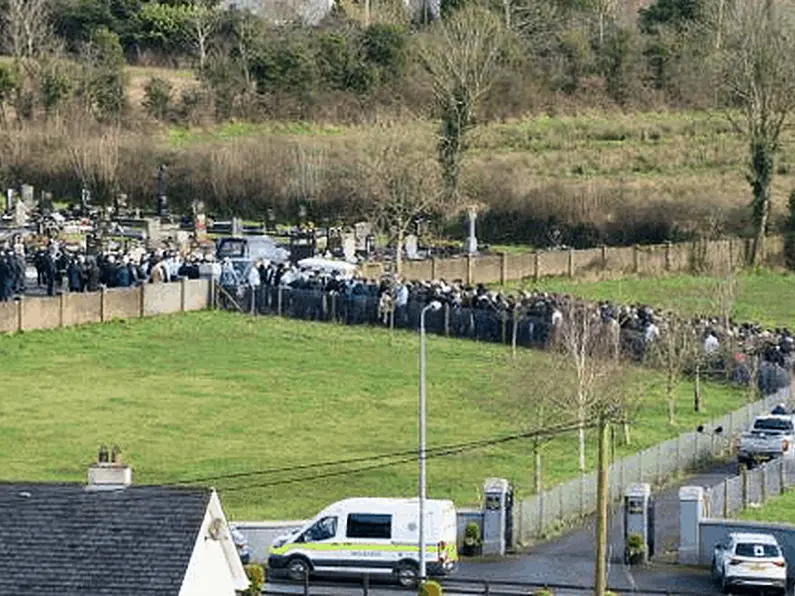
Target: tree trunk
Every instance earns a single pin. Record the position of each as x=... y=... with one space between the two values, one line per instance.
x=600 y=564
x=515 y=331
x=669 y=398
x=627 y=437
x=581 y=439
x=762 y=157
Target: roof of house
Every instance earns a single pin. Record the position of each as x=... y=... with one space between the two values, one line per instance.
x=65 y=539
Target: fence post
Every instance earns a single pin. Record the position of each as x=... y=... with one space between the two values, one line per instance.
x=102 y=305
x=212 y=295
x=640 y=466
x=781 y=489
x=182 y=287
x=61 y=298
x=540 y=514
x=635 y=250
x=19 y=314
x=334 y=307
x=582 y=494
x=503 y=268
x=695 y=452
x=744 y=476
x=571 y=263
x=279 y=302
x=658 y=480
x=469 y=270
x=536 y=265
x=142 y=299
x=763 y=487
x=726 y=499
x=446 y=319
x=604 y=257
x=433 y=267
x=668 y=256
x=678 y=464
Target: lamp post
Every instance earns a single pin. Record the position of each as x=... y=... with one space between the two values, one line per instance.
x=434 y=306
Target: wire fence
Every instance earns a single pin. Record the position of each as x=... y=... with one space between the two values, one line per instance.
x=539 y=515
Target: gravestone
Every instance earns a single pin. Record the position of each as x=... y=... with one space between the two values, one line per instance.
x=237 y=227
x=362 y=230
x=20 y=214
x=10 y=200
x=85 y=201
x=153 y=234
x=471 y=246
x=46 y=201
x=28 y=196
x=349 y=246
x=410 y=244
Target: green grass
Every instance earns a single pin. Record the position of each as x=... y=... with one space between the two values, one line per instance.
x=778 y=509
x=208 y=394
x=767 y=297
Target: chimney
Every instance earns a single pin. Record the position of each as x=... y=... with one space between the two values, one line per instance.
x=109 y=473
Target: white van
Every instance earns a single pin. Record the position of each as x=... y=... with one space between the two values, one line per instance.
x=372 y=535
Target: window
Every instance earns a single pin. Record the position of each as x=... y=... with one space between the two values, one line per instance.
x=759 y=551
x=323 y=529
x=366 y=525
x=773 y=424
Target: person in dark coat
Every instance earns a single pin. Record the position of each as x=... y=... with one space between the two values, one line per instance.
x=5 y=278
x=123 y=276
x=50 y=273
x=76 y=275
x=92 y=275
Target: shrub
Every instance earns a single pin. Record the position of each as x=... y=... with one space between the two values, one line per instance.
x=157 y=98
x=256 y=577
x=472 y=534
x=789 y=239
x=431 y=588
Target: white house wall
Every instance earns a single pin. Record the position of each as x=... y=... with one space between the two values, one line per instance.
x=214 y=566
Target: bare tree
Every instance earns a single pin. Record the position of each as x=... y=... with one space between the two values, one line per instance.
x=757 y=73
x=674 y=351
x=308 y=173
x=95 y=160
x=202 y=22
x=403 y=185
x=461 y=56
x=28 y=31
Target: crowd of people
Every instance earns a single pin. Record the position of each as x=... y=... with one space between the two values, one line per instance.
x=62 y=270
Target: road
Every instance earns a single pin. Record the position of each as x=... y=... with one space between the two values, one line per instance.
x=568 y=559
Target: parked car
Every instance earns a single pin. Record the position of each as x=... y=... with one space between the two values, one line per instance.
x=750 y=561
x=241 y=543
x=770 y=436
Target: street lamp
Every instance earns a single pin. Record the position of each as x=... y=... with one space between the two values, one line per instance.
x=434 y=306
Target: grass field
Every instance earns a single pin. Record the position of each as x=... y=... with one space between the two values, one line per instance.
x=208 y=394
x=778 y=509
x=766 y=296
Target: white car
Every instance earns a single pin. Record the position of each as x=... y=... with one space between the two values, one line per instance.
x=750 y=561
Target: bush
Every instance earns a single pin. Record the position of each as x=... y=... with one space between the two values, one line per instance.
x=431 y=588
x=789 y=238
x=635 y=548
x=157 y=98
x=472 y=534
x=256 y=576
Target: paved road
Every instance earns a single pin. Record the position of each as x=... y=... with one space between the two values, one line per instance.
x=568 y=559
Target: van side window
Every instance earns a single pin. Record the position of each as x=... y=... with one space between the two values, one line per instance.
x=368 y=525
x=323 y=529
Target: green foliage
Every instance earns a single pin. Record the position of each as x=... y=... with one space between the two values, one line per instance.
x=575 y=48
x=256 y=577
x=789 y=232
x=102 y=87
x=165 y=27
x=385 y=47
x=430 y=588
x=670 y=13
x=9 y=81
x=472 y=534
x=542 y=592
x=157 y=98
x=635 y=542
x=620 y=59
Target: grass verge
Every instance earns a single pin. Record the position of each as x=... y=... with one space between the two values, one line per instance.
x=209 y=394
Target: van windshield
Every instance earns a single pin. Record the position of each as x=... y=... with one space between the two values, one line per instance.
x=773 y=424
x=323 y=529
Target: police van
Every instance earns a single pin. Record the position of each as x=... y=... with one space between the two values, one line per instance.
x=370 y=536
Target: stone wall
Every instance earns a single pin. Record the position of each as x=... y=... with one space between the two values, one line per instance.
x=33 y=313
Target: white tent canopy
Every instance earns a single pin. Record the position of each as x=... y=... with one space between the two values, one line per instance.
x=328 y=266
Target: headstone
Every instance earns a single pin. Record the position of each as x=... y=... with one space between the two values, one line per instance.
x=349 y=246
x=237 y=227
x=46 y=201
x=153 y=233
x=362 y=230
x=471 y=246
x=28 y=196
x=10 y=200
x=410 y=244
x=162 y=201
x=20 y=214
x=85 y=201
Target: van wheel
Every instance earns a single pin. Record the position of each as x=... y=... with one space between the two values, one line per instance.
x=297 y=569
x=408 y=574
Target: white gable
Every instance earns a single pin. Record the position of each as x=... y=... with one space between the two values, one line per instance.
x=214 y=566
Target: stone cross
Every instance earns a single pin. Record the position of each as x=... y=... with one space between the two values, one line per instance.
x=471 y=246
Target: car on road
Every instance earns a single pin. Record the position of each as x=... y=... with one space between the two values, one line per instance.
x=750 y=561
x=241 y=544
x=770 y=436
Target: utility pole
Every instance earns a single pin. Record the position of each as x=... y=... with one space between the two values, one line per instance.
x=600 y=573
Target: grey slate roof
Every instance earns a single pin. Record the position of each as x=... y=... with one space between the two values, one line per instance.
x=65 y=540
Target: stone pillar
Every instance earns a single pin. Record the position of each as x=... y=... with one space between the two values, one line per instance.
x=472 y=241
x=691 y=506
